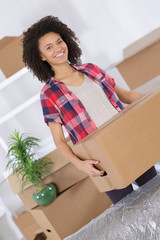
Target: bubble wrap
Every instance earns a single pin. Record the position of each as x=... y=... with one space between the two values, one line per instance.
x=136 y=217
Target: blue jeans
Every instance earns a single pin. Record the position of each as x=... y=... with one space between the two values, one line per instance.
x=118 y=194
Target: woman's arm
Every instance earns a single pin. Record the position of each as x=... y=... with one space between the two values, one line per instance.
x=126 y=96
x=86 y=166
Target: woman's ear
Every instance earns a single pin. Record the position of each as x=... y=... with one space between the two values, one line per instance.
x=42 y=57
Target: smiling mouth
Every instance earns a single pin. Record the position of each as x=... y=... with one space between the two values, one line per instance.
x=59 y=55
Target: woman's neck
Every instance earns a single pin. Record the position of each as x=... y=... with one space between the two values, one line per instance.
x=63 y=71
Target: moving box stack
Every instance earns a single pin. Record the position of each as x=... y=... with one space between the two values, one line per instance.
x=78 y=201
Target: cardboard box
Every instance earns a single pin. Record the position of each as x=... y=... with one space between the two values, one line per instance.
x=127 y=145
x=58 y=162
x=63 y=175
x=62 y=179
x=141 y=60
x=71 y=210
x=28 y=226
x=11 y=55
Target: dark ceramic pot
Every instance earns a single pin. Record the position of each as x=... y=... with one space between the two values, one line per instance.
x=46 y=196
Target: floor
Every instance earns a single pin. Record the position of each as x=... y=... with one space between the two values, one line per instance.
x=136 y=217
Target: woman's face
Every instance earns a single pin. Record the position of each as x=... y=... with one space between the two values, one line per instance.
x=53 y=49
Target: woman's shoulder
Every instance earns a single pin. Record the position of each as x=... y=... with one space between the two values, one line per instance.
x=46 y=88
x=85 y=65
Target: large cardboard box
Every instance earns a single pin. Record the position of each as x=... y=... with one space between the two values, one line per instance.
x=11 y=55
x=28 y=226
x=71 y=210
x=127 y=145
x=63 y=175
x=141 y=60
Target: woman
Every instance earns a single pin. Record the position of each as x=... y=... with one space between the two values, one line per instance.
x=80 y=97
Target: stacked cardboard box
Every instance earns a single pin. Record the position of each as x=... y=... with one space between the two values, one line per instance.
x=63 y=175
x=28 y=226
x=141 y=60
x=11 y=55
x=77 y=203
x=71 y=210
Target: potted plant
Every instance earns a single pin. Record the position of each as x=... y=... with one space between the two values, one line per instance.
x=23 y=162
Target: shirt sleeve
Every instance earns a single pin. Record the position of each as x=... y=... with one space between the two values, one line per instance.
x=50 y=110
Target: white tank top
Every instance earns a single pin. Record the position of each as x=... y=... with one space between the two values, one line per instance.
x=94 y=100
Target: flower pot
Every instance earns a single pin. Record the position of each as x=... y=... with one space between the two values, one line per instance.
x=46 y=196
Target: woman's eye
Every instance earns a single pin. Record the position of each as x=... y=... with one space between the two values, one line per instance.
x=49 y=47
x=59 y=42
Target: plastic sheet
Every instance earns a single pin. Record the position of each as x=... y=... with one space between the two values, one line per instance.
x=136 y=217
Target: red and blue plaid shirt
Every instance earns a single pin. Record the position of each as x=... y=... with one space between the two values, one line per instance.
x=61 y=106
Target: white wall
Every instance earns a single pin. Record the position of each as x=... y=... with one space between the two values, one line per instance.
x=104 y=27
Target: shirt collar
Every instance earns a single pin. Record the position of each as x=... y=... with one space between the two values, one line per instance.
x=78 y=67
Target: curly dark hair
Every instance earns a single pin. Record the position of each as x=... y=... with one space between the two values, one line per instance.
x=31 y=54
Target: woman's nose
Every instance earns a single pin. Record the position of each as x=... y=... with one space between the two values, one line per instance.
x=57 y=48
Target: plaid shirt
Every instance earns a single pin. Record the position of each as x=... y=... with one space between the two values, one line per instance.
x=61 y=106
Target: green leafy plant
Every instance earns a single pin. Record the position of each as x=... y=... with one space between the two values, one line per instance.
x=21 y=154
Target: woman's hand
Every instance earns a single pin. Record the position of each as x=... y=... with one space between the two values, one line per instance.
x=87 y=166
x=126 y=96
